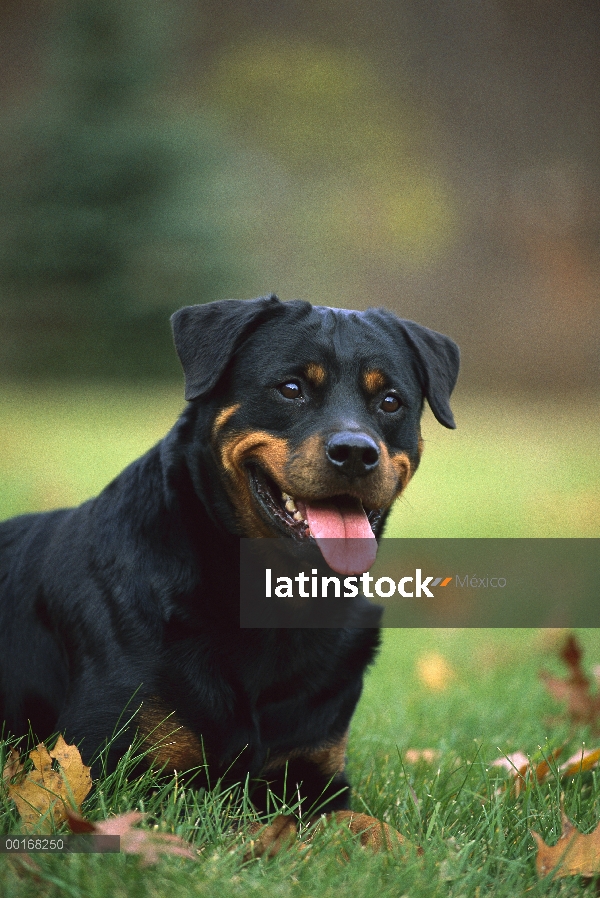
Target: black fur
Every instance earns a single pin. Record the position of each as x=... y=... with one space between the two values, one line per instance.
x=133 y=597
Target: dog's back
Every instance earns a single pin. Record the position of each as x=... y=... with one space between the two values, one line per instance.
x=33 y=670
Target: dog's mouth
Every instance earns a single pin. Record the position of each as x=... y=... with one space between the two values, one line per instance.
x=340 y=525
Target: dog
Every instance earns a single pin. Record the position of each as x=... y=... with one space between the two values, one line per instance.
x=302 y=422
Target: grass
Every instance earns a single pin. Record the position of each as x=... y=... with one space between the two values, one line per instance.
x=510 y=470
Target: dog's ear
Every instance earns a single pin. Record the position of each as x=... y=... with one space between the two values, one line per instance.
x=438 y=360
x=206 y=337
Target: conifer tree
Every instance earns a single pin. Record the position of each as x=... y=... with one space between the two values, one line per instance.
x=100 y=236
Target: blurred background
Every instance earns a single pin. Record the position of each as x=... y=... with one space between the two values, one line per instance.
x=437 y=157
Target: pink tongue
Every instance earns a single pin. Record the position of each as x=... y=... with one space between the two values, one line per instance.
x=343 y=534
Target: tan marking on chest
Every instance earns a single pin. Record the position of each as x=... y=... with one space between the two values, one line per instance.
x=172 y=744
x=329 y=760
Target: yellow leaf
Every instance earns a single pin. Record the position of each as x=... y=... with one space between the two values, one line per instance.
x=415 y=755
x=42 y=795
x=13 y=766
x=583 y=760
x=434 y=671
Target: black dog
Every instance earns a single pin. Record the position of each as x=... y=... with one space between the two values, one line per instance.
x=302 y=422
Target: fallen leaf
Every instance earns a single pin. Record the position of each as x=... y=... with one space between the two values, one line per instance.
x=12 y=766
x=434 y=672
x=575 y=854
x=583 y=760
x=43 y=795
x=516 y=763
x=415 y=755
x=519 y=767
x=148 y=844
x=583 y=704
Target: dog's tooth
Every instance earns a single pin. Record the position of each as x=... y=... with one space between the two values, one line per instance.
x=290 y=506
x=285 y=497
x=298 y=516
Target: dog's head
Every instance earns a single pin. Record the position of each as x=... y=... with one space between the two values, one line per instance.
x=315 y=414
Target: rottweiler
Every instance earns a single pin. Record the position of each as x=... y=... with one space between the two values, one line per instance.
x=302 y=422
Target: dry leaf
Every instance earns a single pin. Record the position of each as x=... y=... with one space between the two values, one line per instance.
x=583 y=705
x=575 y=854
x=12 y=766
x=434 y=671
x=519 y=766
x=43 y=795
x=415 y=755
x=583 y=760
x=516 y=763
x=148 y=844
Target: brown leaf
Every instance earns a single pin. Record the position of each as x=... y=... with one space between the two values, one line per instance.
x=43 y=795
x=148 y=844
x=572 y=653
x=583 y=704
x=575 y=854
x=78 y=824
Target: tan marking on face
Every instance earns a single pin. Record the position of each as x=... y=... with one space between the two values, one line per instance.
x=173 y=745
x=304 y=473
x=315 y=373
x=310 y=476
x=271 y=454
x=373 y=381
x=402 y=465
x=329 y=760
x=223 y=417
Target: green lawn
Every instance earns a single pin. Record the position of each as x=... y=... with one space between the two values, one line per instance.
x=511 y=469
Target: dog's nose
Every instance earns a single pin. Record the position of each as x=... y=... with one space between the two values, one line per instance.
x=352 y=454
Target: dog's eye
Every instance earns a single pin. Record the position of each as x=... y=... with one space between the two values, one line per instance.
x=390 y=403
x=291 y=389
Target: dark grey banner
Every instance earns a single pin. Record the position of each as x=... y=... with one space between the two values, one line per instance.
x=420 y=583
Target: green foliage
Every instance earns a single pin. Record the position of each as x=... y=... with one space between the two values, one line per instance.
x=347 y=180
x=495 y=476
x=476 y=840
x=475 y=835
x=107 y=224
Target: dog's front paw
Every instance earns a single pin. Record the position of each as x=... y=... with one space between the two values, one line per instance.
x=267 y=841
x=373 y=833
